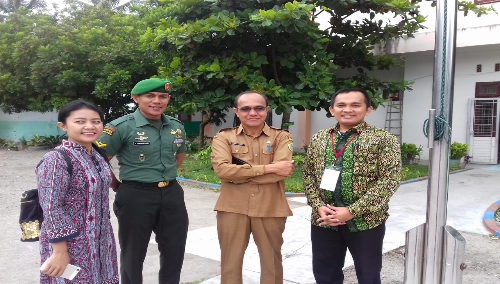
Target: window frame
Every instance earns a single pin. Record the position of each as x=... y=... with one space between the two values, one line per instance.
x=478 y=118
x=481 y=84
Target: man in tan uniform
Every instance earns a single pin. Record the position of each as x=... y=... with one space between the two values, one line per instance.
x=252 y=161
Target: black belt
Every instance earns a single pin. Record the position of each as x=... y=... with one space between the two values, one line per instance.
x=151 y=184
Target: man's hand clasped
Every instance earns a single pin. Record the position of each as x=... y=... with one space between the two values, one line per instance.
x=333 y=216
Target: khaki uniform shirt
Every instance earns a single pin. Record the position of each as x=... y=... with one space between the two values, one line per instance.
x=144 y=152
x=245 y=189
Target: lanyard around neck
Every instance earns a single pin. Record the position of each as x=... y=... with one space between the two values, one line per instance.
x=338 y=154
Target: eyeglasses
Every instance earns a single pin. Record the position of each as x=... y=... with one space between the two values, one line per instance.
x=248 y=109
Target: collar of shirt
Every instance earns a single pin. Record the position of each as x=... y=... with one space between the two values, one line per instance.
x=72 y=145
x=140 y=120
x=358 y=128
x=266 y=130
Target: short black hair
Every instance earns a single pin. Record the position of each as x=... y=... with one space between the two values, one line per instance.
x=368 y=100
x=248 y=92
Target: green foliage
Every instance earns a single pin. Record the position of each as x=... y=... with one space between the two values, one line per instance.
x=12 y=146
x=410 y=152
x=215 y=49
x=3 y=142
x=203 y=156
x=413 y=171
x=92 y=53
x=11 y=6
x=298 y=159
x=53 y=140
x=458 y=150
x=37 y=140
x=192 y=168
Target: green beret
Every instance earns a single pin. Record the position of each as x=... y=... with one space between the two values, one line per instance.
x=151 y=85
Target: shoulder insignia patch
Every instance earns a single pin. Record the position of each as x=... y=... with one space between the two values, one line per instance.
x=108 y=130
x=290 y=146
x=100 y=144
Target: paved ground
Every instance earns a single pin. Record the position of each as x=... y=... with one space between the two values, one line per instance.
x=471 y=192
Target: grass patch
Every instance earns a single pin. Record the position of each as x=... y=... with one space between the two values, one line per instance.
x=202 y=171
x=197 y=170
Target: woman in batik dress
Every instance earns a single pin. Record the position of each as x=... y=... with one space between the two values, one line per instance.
x=76 y=228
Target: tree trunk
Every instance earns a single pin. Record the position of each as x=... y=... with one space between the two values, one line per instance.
x=204 y=121
x=285 y=119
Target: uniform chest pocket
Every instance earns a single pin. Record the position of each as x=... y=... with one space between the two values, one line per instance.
x=142 y=151
x=239 y=151
x=268 y=149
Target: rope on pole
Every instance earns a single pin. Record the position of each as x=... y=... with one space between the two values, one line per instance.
x=442 y=127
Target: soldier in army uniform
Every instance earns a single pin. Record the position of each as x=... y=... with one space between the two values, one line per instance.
x=252 y=162
x=149 y=146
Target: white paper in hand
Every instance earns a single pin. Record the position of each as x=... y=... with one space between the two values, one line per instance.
x=329 y=179
x=69 y=273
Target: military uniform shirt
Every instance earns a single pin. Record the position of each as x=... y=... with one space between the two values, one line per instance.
x=245 y=189
x=144 y=152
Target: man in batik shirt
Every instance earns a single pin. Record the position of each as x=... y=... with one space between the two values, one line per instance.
x=350 y=172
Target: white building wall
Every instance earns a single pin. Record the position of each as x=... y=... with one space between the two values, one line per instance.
x=377 y=117
x=419 y=68
x=469 y=21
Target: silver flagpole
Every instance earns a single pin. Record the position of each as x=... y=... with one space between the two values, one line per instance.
x=442 y=100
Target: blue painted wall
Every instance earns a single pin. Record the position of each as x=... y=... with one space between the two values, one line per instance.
x=26 y=124
x=15 y=130
x=15 y=126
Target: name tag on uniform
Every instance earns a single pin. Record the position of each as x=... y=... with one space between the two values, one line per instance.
x=329 y=179
x=141 y=143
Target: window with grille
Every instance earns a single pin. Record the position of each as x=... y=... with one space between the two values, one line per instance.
x=485 y=111
x=485 y=118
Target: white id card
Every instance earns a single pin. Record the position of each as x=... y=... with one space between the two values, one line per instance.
x=329 y=179
x=69 y=273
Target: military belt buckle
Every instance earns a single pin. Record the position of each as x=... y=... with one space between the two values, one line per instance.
x=163 y=183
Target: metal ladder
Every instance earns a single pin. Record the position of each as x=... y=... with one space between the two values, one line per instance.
x=394 y=116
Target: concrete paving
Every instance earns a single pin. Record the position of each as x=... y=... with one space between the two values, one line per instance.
x=470 y=194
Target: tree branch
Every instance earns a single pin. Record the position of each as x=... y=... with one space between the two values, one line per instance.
x=328 y=43
x=273 y=63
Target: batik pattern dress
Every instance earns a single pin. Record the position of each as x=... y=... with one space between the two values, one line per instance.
x=76 y=210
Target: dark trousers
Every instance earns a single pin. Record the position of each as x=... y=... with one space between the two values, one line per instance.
x=144 y=209
x=329 y=250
